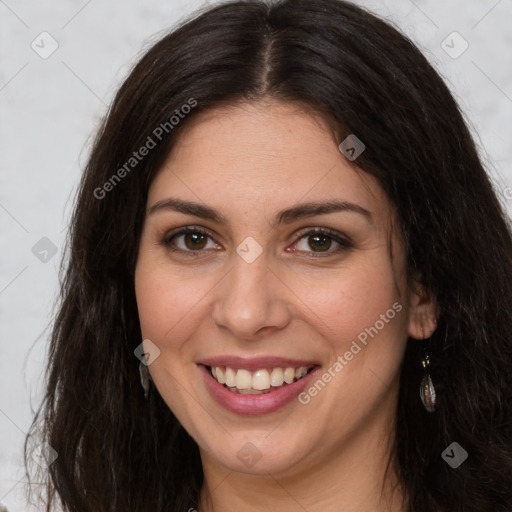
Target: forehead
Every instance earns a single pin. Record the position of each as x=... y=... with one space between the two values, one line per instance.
x=259 y=157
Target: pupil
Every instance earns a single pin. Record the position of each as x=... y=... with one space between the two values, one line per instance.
x=196 y=238
x=316 y=238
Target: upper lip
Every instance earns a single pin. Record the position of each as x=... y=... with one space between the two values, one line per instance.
x=256 y=363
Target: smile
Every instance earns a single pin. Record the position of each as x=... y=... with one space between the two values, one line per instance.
x=255 y=386
x=260 y=381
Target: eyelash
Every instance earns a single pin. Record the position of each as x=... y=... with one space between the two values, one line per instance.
x=344 y=242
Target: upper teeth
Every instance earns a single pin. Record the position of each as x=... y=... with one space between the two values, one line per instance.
x=259 y=379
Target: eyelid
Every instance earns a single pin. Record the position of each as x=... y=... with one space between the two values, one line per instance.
x=323 y=231
x=166 y=239
x=341 y=239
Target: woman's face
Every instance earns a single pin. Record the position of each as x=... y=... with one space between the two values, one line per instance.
x=252 y=291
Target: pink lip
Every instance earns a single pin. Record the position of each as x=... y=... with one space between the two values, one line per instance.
x=254 y=404
x=255 y=363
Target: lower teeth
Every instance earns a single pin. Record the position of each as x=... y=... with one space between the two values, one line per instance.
x=251 y=391
x=256 y=391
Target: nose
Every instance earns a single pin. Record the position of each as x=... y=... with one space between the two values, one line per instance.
x=251 y=301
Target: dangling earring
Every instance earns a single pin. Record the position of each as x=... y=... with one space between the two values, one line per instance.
x=144 y=378
x=427 y=390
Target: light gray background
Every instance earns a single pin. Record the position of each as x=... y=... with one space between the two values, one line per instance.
x=50 y=108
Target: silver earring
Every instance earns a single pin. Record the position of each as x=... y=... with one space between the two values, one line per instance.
x=427 y=390
x=144 y=378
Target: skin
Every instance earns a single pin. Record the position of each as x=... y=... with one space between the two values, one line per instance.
x=249 y=161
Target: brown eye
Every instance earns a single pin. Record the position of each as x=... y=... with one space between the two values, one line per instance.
x=191 y=241
x=320 y=240
x=194 y=241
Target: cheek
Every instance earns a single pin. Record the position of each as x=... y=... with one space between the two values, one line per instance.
x=168 y=312
x=344 y=305
x=363 y=320
x=169 y=302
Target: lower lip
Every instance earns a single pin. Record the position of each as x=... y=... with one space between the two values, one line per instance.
x=254 y=404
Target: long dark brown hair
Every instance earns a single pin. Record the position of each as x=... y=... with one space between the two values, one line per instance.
x=118 y=452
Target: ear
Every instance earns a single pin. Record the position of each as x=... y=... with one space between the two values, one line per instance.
x=423 y=312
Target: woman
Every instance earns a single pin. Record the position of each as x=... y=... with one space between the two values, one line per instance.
x=285 y=234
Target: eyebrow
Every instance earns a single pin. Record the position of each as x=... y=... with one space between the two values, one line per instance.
x=286 y=216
